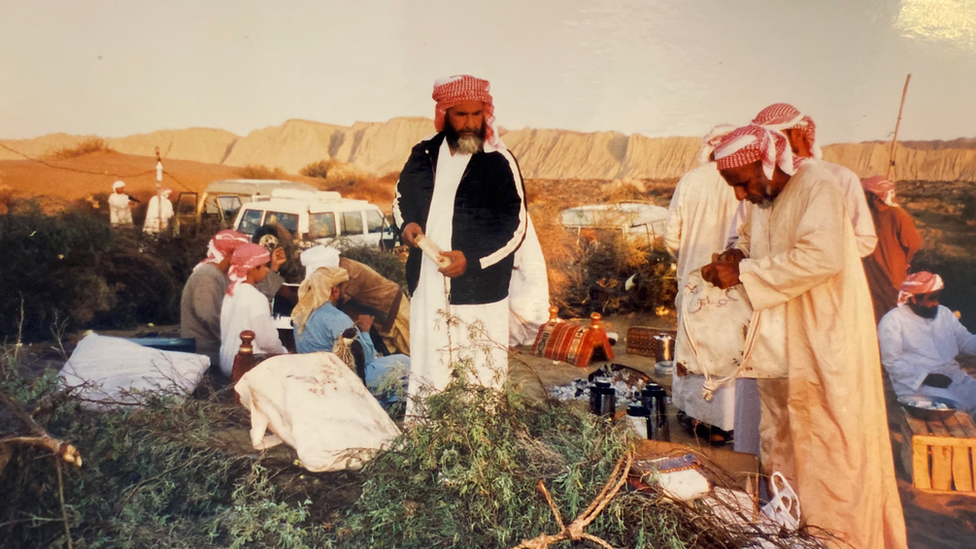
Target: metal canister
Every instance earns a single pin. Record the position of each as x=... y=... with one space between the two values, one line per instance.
x=655 y=399
x=603 y=398
x=639 y=418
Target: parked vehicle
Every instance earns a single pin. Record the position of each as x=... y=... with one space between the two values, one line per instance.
x=632 y=219
x=315 y=217
x=219 y=203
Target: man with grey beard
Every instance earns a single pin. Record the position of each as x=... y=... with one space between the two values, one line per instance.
x=462 y=192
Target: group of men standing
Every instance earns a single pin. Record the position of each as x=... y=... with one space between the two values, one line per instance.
x=159 y=211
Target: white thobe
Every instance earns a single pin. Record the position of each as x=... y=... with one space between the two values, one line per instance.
x=825 y=426
x=156 y=220
x=118 y=209
x=700 y=218
x=443 y=335
x=857 y=207
x=247 y=309
x=528 y=293
x=913 y=347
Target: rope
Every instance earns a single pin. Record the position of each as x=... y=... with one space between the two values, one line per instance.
x=575 y=530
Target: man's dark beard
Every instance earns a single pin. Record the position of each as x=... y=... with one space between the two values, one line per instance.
x=469 y=143
x=924 y=312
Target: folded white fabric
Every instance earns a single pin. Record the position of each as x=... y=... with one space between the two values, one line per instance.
x=111 y=372
x=314 y=403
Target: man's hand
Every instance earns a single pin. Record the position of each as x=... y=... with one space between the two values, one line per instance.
x=410 y=234
x=722 y=274
x=939 y=381
x=364 y=323
x=732 y=255
x=458 y=264
x=278 y=259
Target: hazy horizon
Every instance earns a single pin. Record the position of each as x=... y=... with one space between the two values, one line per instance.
x=660 y=69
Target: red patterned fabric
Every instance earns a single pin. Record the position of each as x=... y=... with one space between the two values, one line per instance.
x=922 y=282
x=753 y=143
x=246 y=257
x=880 y=186
x=571 y=343
x=448 y=92
x=222 y=244
x=711 y=140
x=783 y=116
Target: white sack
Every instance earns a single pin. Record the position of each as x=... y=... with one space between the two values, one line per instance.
x=528 y=292
x=112 y=370
x=314 y=403
x=719 y=333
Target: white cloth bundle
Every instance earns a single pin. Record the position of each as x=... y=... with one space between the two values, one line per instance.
x=314 y=403
x=111 y=372
x=720 y=333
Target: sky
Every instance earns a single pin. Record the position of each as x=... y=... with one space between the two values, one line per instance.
x=654 y=67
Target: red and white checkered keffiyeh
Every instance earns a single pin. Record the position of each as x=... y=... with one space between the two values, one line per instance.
x=880 y=186
x=246 y=257
x=448 y=92
x=711 y=140
x=783 y=116
x=922 y=282
x=222 y=244
x=752 y=143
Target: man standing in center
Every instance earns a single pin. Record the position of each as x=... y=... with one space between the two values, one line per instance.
x=824 y=425
x=461 y=189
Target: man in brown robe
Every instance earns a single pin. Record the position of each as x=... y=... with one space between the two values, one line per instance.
x=887 y=267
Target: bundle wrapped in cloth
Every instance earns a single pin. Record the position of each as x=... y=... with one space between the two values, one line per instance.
x=314 y=403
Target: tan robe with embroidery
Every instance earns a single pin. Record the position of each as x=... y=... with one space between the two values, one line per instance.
x=825 y=426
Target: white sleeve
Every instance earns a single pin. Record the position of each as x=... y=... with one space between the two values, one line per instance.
x=672 y=227
x=893 y=358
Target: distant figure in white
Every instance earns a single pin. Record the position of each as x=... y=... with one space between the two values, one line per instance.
x=157 y=219
x=920 y=340
x=701 y=217
x=119 y=206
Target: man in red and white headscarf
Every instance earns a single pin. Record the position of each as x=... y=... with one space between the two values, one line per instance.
x=920 y=340
x=203 y=294
x=898 y=241
x=824 y=425
x=701 y=217
x=461 y=191
x=246 y=308
x=802 y=135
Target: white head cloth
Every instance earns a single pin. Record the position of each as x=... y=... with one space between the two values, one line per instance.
x=319 y=256
x=118 y=185
x=711 y=140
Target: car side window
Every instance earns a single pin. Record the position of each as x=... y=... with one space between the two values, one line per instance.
x=322 y=225
x=352 y=223
x=285 y=219
x=250 y=222
x=187 y=204
x=374 y=221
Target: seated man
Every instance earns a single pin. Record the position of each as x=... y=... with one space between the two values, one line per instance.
x=318 y=323
x=920 y=340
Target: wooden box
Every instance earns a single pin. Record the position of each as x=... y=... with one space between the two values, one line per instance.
x=641 y=341
x=939 y=455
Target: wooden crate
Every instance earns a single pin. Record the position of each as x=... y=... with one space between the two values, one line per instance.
x=939 y=455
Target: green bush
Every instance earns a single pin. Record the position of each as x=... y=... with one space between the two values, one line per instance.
x=73 y=267
x=318 y=169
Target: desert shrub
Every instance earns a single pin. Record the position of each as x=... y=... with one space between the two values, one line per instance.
x=260 y=171
x=318 y=169
x=73 y=267
x=88 y=146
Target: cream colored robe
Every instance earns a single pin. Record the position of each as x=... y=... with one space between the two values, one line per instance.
x=825 y=426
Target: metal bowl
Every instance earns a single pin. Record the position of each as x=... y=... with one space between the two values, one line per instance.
x=916 y=406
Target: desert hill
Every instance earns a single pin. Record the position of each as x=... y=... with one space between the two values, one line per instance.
x=382 y=147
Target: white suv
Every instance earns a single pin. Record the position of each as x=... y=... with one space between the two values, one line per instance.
x=320 y=217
